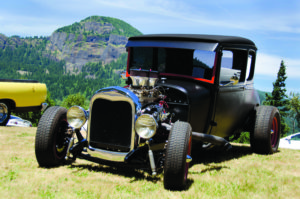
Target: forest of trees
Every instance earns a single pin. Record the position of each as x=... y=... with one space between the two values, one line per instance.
x=25 y=62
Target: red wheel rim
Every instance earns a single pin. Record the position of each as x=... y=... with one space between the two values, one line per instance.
x=188 y=153
x=274 y=132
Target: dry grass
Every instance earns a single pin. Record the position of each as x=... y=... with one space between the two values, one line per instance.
x=235 y=174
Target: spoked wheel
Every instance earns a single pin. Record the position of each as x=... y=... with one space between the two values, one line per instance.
x=4 y=113
x=52 y=137
x=266 y=134
x=60 y=140
x=178 y=156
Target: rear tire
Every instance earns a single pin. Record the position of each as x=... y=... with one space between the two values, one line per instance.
x=176 y=166
x=266 y=134
x=5 y=112
x=52 y=138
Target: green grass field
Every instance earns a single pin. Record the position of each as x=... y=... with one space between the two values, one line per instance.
x=235 y=174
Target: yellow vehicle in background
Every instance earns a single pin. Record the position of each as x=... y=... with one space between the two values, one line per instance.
x=21 y=96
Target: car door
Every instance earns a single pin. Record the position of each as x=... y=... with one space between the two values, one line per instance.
x=236 y=96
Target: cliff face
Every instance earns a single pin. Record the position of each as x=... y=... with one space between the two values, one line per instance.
x=77 y=50
x=11 y=42
x=94 y=39
x=91 y=40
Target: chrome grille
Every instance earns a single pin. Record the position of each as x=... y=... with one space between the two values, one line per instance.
x=110 y=125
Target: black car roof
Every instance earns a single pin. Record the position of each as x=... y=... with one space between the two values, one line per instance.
x=195 y=37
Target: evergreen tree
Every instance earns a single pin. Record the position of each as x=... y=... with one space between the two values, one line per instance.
x=74 y=99
x=278 y=98
x=294 y=106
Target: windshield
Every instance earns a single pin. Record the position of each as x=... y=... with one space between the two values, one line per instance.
x=197 y=64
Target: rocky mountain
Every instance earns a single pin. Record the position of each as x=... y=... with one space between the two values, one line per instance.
x=94 y=39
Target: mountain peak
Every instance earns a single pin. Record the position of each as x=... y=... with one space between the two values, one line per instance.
x=93 y=39
x=95 y=25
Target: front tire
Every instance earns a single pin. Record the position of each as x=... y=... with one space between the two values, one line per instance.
x=266 y=134
x=176 y=165
x=51 y=141
x=5 y=111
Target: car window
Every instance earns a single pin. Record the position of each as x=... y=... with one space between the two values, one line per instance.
x=187 y=62
x=250 y=65
x=142 y=59
x=203 y=62
x=227 y=73
x=235 y=66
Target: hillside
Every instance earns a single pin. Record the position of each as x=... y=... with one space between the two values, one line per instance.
x=94 y=39
x=82 y=57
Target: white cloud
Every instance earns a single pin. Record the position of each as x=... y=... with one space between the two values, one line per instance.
x=226 y=16
x=293 y=67
x=269 y=65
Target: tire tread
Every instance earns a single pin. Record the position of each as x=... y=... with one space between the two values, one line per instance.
x=45 y=136
x=260 y=138
x=175 y=161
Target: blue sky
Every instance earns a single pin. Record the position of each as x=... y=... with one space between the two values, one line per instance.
x=273 y=25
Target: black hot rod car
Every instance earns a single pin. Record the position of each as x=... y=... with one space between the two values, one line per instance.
x=179 y=88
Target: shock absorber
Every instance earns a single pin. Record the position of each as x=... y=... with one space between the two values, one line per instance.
x=151 y=159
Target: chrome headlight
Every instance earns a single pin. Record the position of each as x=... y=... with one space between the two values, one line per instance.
x=145 y=126
x=76 y=117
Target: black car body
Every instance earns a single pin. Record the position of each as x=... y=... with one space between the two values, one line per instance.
x=179 y=88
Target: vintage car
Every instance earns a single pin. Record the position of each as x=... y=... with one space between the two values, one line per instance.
x=20 y=96
x=180 y=89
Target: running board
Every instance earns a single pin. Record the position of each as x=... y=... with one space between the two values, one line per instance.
x=215 y=140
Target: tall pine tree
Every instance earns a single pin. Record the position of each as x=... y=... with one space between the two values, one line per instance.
x=278 y=98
